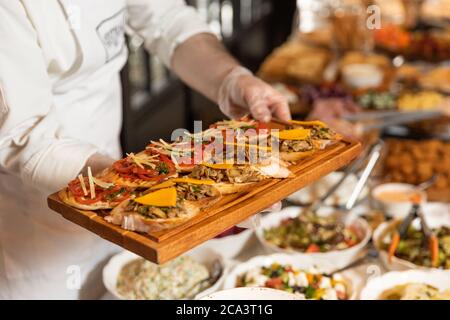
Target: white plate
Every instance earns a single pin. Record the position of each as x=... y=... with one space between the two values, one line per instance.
x=376 y=286
x=302 y=263
x=320 y=187
x=205 y=256
x=251 y=294
x=436 y=215
x=325 y=261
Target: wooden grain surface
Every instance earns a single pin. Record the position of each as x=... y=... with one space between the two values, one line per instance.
x=165 y=245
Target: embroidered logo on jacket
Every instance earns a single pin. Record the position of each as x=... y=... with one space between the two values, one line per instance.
x=111 y=32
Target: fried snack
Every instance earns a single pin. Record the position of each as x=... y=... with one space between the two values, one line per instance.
x=437 y=79
x=423 y=100
x=411 y=161
x=358 y=57
x=293 y=62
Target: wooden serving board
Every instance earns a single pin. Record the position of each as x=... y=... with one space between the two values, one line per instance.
x=165 y=245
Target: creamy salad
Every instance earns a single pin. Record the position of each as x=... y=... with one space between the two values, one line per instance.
x=177 y=279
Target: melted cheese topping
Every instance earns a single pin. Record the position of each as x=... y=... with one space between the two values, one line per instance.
x=193 y=181
x=165 y=184
x=309 y=123
x=219 y=166
x=293 y=134
x=246 y=145
x=166 y=197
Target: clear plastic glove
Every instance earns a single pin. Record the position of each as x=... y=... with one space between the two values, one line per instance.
x=242 y=93
x=97 y=162
x=332 y=108
x=254 y=221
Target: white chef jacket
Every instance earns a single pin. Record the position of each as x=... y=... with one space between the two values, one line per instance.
x=60 y=102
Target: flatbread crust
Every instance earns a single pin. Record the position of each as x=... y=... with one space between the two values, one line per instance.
x=322 y=144
x=296 y=156
x=230 y=188
x=185 y=169
x=112 y=176
x=66 y=196
x=136 y=222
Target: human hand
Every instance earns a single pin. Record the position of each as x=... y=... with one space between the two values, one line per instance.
x=242 y=93
x=97 y=162
x=254 y=221
x=332 y=108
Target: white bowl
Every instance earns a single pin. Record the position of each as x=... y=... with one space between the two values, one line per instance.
x=397 y=209
x=302 y=263
x=205 y=256
x=361 y=75
x=319 y=188
x=251 y=294
x=325 y=261
x=229 y=246
x=376 y=286
x=436 y=215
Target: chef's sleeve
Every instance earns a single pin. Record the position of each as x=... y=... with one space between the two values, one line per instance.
x=164 y=24
x=33 y=144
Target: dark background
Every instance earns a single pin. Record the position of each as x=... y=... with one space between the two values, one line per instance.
x=155 y=102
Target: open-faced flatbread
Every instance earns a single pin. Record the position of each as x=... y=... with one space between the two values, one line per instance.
x=239 y=178
x=303 y=138
x=89 y=193
x=172 y=204
x=322 y=136
x=141 y=170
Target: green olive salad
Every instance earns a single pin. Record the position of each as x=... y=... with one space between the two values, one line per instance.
x=312 y=233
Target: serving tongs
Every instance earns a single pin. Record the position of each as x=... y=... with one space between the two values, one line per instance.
x=382 y=119
x=371 y=156
x=430 y=237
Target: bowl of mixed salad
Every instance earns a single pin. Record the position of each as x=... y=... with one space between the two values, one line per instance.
x=331 y=239
x=254 y=293
x=130 y=277
x=412 y=251
x=292 y=275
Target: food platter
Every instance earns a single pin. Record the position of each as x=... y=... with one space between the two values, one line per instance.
x=232 y=209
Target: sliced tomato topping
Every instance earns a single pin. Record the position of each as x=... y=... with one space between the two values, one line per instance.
x=274 y=283
x=313 y=248
x=113 y=194
x=128 y=169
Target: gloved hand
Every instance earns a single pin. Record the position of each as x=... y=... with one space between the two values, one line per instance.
x=98 y=162
x=253 y=221
x=242 y=93
x=332 y=108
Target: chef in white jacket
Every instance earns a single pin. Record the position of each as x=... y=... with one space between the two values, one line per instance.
x=60 y=111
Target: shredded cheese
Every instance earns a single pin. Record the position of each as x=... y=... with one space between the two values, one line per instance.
x=83 y=185
x=175 y=162
x=135 y=160
x=141 y=160
x=91 y=183
x=103 y=184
